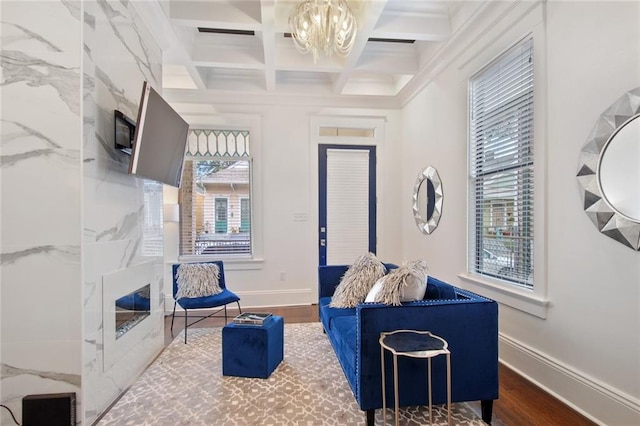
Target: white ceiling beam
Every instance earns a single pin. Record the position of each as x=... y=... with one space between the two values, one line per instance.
x=229 y=98
x=268 y=35
x=367 y=15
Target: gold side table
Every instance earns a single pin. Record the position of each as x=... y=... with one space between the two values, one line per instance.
x=415 y=344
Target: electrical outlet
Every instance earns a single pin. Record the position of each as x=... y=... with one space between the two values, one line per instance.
x=283 y=276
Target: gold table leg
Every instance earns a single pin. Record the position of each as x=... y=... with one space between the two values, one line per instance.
x=395 y=388
x=384 y=394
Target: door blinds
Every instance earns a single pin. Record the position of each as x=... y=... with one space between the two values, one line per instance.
x=347 y=205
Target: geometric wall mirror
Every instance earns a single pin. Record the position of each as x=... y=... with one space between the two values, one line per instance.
x=427 y=200
x=609 y=171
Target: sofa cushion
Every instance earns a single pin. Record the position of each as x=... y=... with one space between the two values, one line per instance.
x=357 y=281
x=328 y=313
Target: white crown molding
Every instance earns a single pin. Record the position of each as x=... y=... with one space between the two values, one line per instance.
x=481 y=20
x=218 y=97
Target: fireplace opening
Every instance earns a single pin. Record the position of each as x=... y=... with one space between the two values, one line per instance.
x=131 y=309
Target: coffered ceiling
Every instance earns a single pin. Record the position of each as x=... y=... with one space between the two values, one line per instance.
x=241 y=50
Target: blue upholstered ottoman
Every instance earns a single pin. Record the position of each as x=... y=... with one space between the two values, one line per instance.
x=252 y=350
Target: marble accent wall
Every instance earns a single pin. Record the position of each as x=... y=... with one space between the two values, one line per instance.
x=122 y=214
x=70 y=212
x=40 y=177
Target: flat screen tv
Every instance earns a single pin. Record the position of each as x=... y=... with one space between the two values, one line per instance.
x=160 y=140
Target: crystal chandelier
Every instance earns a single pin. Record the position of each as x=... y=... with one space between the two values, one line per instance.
x=323 y=27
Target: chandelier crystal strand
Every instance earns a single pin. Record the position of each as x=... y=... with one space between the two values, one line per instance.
x=323 y=27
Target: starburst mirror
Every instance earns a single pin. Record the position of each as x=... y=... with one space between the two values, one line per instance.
x=427 y=200
x=609 y=171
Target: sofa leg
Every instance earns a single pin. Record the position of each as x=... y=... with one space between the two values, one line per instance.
x=371 y=417
x=486 y=406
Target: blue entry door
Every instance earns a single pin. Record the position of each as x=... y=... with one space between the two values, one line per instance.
x=347 y=202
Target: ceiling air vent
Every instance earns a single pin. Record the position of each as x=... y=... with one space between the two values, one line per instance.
x=226 y=31
x=376 y=39
x=380 y=40
x=391 y=40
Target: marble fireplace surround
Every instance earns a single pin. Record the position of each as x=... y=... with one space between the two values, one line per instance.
x=115 y=285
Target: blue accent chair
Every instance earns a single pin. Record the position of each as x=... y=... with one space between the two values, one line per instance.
x=467 y=321
x=220 y=300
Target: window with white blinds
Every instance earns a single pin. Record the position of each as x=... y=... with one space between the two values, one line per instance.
x=501 y=167
x=152 y=230
x=215 y=196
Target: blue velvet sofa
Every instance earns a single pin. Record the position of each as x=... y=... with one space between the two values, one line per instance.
x=468 y=322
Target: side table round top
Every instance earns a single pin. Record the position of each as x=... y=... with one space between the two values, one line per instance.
x=419 y=344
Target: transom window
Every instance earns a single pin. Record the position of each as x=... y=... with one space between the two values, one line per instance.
x=501 y=167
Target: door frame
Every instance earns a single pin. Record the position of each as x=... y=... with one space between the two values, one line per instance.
x=378 y=140
x=322 y=196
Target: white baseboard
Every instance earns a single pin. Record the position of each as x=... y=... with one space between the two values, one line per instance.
x=592 y=398
x=259 y=299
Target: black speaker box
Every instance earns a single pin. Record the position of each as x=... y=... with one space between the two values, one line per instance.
x=53 y=409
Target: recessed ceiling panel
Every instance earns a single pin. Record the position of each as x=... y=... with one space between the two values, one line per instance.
x=372 y=84
x=239 y=45
x=304 y=82
x=233 y=79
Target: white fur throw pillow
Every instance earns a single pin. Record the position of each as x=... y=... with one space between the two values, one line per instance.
x=197 y=280
x=357 y=281
x=405 y=284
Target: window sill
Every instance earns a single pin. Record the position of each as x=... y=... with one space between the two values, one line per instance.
x=231 y=263
x=521 y=299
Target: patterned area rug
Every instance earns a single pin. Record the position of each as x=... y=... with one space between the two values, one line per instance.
x=185 y=386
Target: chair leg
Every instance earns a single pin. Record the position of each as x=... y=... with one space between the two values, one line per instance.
x=173 y=315
x=239 y=306
x=225 y=314
x=185 y=326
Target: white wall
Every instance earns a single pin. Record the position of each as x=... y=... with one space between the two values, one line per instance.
x=285 y=183
x=587 y=350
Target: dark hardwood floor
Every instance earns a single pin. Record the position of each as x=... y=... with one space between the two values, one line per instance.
x=521 y=403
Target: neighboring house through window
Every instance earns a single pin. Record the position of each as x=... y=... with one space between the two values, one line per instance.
x=215 y=196
x=245 y=215
x=501 y=167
